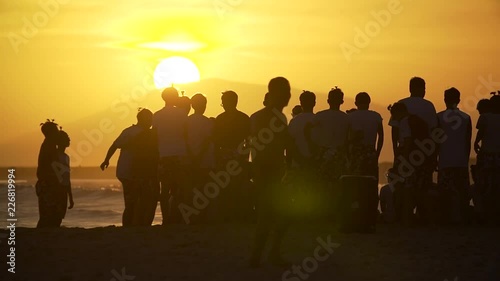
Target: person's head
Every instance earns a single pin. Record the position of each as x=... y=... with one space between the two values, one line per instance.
x=296 y=110
x=50 y=129
x=391 y=174
x=495 y=104
x=63 y=140
x=184 y=103
x=229 y=100
x=417 y=87
x=451 y=97
x=279 y=92
x=199 y=103
x=335 y=97
x=170 y=95
x=484 y=106
x=307 y=101
x=398 y=111
x=145 y=117
x=362 y=101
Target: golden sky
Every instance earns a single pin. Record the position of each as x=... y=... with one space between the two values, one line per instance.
x=73 y=58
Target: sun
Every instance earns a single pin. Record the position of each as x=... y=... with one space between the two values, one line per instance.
x=175 y=70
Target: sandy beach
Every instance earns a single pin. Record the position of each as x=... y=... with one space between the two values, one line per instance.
x=219 y=252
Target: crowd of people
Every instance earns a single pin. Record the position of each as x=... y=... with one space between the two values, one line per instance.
x=271 y=165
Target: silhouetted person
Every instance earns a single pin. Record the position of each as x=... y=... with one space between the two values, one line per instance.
x=170 y=124
x=269 y=168
x=484 y=106
x=184 y=103
x=423 y=121
x=200 y=146
x=144 y=147
x=454 y=153
x=127 y=166
x=300 y=156
x=296 y=110
x=329 y=136
x=487 y=144
x=299 y=130
x=387 y=200
x=231 y=133
x=47 y=185
x=366 y=135
x=62 y=167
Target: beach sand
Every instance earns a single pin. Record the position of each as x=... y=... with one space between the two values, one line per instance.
x=220 y=252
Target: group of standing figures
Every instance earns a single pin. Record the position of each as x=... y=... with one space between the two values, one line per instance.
x=236 y=167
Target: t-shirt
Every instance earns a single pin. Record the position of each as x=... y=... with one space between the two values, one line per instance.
x=125 y=166
x=421 y=108
x=170 y=125
x=489 y=124
x=269 y=137
x=366 y=124
x=63 y=170
x=297 y=132
x=47 y=155
x=330 y=128
x=453 y=151
x=231 y=129
x=199 y=134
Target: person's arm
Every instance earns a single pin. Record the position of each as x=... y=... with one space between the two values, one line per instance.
x=70 y=197
x=479 y=135
x=468 y=138
x=380 y=140
x=395 y=140
x=112 y=149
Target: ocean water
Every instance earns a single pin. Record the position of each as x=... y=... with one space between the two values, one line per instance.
x=97 y=203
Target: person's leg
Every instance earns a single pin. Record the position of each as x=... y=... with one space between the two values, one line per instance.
x=130 y=195
x=164 y=195
x=264 y=216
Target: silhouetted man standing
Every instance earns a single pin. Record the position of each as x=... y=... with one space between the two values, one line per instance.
x=269 y=140
x=231 y=131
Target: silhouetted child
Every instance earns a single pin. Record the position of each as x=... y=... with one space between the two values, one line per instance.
x=62 y=167
x=48 y=182
x=387 y=202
